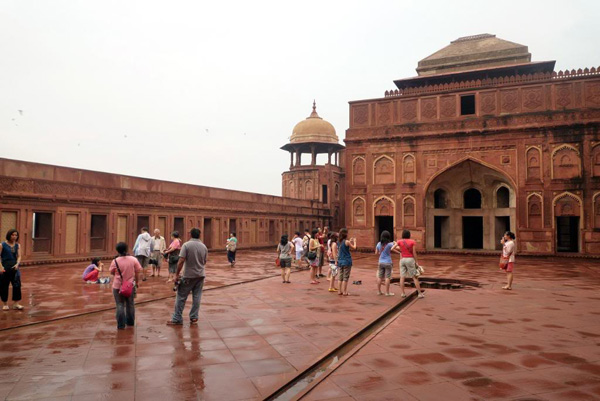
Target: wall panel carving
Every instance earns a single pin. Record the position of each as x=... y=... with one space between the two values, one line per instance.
x=533 y=99
x=535 y=208
x=383 y=169
x=409 y=169
x=592 y=94
x=509 y=100
x=564 y=96
x=358 y=211
x=408 y=211
x=567 y=205
x=448 y=106
x=384 y=206
x=566 y=163
x=409 y=110
x=384 y=112
x=360 y=114
x=596 y=161
x=359 y=172
x=488 y=102
x=429 y=108
x=534 y=163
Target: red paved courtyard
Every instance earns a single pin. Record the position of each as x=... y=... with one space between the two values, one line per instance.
x=540 y=341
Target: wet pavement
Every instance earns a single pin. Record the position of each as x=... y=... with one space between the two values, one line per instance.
x=539 y=341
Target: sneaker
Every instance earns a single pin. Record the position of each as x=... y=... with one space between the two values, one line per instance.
x=379 y=293
x=390 y=294
x=403 y=295
x=172 y=323
x=421 y=295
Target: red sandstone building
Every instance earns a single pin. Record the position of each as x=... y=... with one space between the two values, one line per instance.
x=481 y=141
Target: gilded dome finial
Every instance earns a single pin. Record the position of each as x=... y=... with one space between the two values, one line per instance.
x=314 y=112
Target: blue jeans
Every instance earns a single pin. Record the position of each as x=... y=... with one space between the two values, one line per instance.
x=125 y=310
x=187 y=285
x=231 y=256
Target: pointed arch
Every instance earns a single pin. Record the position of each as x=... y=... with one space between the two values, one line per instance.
x=359 y=175
x=475 y=160
x=568 y=165
x=409 y=213
x=596 y=160
x=596 y=203
x=383 y=207
x=577 y=210
x=535 y=210
x=533 y=158
x=384 y=170
x=409 y=169
x=358 y=211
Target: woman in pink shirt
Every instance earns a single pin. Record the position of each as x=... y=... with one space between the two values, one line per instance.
x=128 y=269
x=508 y=252
x=172 y=255
x=408 y=263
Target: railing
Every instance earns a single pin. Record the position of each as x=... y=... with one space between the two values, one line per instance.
x=536 y=77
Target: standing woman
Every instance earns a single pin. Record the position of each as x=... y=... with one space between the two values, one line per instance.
x=345 y=260
x=332 y=254
x=231 y=249
x=284 y=252
x=313 y=256
x=172 y=255
x=408 y=263
x=9 y=271
x=125 y=268
x=508 y=252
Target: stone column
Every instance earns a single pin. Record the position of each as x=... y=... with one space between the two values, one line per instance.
x=298 y=156
x=329 y=157
x=291 y=159
x=313 y=156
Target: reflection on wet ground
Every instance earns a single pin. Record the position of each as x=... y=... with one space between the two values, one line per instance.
x=537 y=342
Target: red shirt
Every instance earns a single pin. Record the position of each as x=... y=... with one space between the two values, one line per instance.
x=128 y=266
x=406 y=247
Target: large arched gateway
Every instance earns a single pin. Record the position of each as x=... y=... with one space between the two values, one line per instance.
x=469 y=206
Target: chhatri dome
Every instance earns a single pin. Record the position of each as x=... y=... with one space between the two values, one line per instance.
x=314 y=129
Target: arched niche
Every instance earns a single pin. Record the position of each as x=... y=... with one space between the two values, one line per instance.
x=408 y=212
x=534 y=163
x=440 y=199
x=502 y=197
x=383 y=170
x=568 y=220
x=596 y=160
x=358 y=211
x=472 y=199
x=359 y=171
x=408 y=169
x=535 y=209
x=566 y=162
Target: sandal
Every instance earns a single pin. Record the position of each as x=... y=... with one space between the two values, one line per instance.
x=332 y=290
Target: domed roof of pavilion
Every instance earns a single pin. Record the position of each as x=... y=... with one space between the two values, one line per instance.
x=314 y=130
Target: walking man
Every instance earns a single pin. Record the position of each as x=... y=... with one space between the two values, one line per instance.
x=192 y=256
x=143 y=249
x=159 y=246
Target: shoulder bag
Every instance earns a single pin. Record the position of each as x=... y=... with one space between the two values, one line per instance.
x=126 y=286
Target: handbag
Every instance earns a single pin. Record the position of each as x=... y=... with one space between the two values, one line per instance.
x=503 y=262
x=311 y=255
x=126 y=286
x=277 y=262
x=420 y=270
x=173 y=258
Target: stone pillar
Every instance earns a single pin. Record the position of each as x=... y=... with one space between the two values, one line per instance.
x=291 y=159
x=329 y=157
x=298 y=156
x=313 y=156
x=336 y=158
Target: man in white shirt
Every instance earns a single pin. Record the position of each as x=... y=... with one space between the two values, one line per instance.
x=143 y=249
x=297 y=241
x=158 y=248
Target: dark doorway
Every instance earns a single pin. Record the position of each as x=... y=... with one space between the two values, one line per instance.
x=384 y=223
x=208 y=232
x=467 y=105
x=324 y=192
x=142 y=221
x=440 y=231
x=272 y=231
x=232 y=226
x=472 y=199
x=567 y=233
x=502 y=225
x=472 y=232
x=98 y=232
x=178 y=225
x=502 y=197
x=42 y=232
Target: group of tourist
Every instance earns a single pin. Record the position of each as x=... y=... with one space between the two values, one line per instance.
x=317 y=245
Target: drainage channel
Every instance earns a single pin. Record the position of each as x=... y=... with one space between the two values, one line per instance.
x=306 y=378
x=310 y=377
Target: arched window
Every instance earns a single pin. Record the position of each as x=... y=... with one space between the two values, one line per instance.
x=502 y=197
x=472 y=199
x=440 y=199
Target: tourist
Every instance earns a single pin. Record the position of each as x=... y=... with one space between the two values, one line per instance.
x=9 y=270
x=344 y=260
x=298 y=247
x=192 y=259
x=312 y=256
x=126 y=269
x=305 y=242
x=508 y=252
x=383 y=249
x=159 y=245
x=332 y=255
x=321 y=252
x=143 y=249
x=172 y=255
x=284 y=253
x=92 y=272
x=231 y=248
x=408 y=263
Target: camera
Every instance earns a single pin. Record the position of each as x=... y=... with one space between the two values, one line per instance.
x=176 y=284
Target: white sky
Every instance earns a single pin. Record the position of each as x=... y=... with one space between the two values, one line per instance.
x=205 y=92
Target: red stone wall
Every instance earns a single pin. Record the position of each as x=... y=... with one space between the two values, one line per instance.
x=539 y=132
x=72 y=196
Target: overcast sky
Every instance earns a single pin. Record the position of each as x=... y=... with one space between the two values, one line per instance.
x=205 y=92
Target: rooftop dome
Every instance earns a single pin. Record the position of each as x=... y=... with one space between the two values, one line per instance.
x=314 y=129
